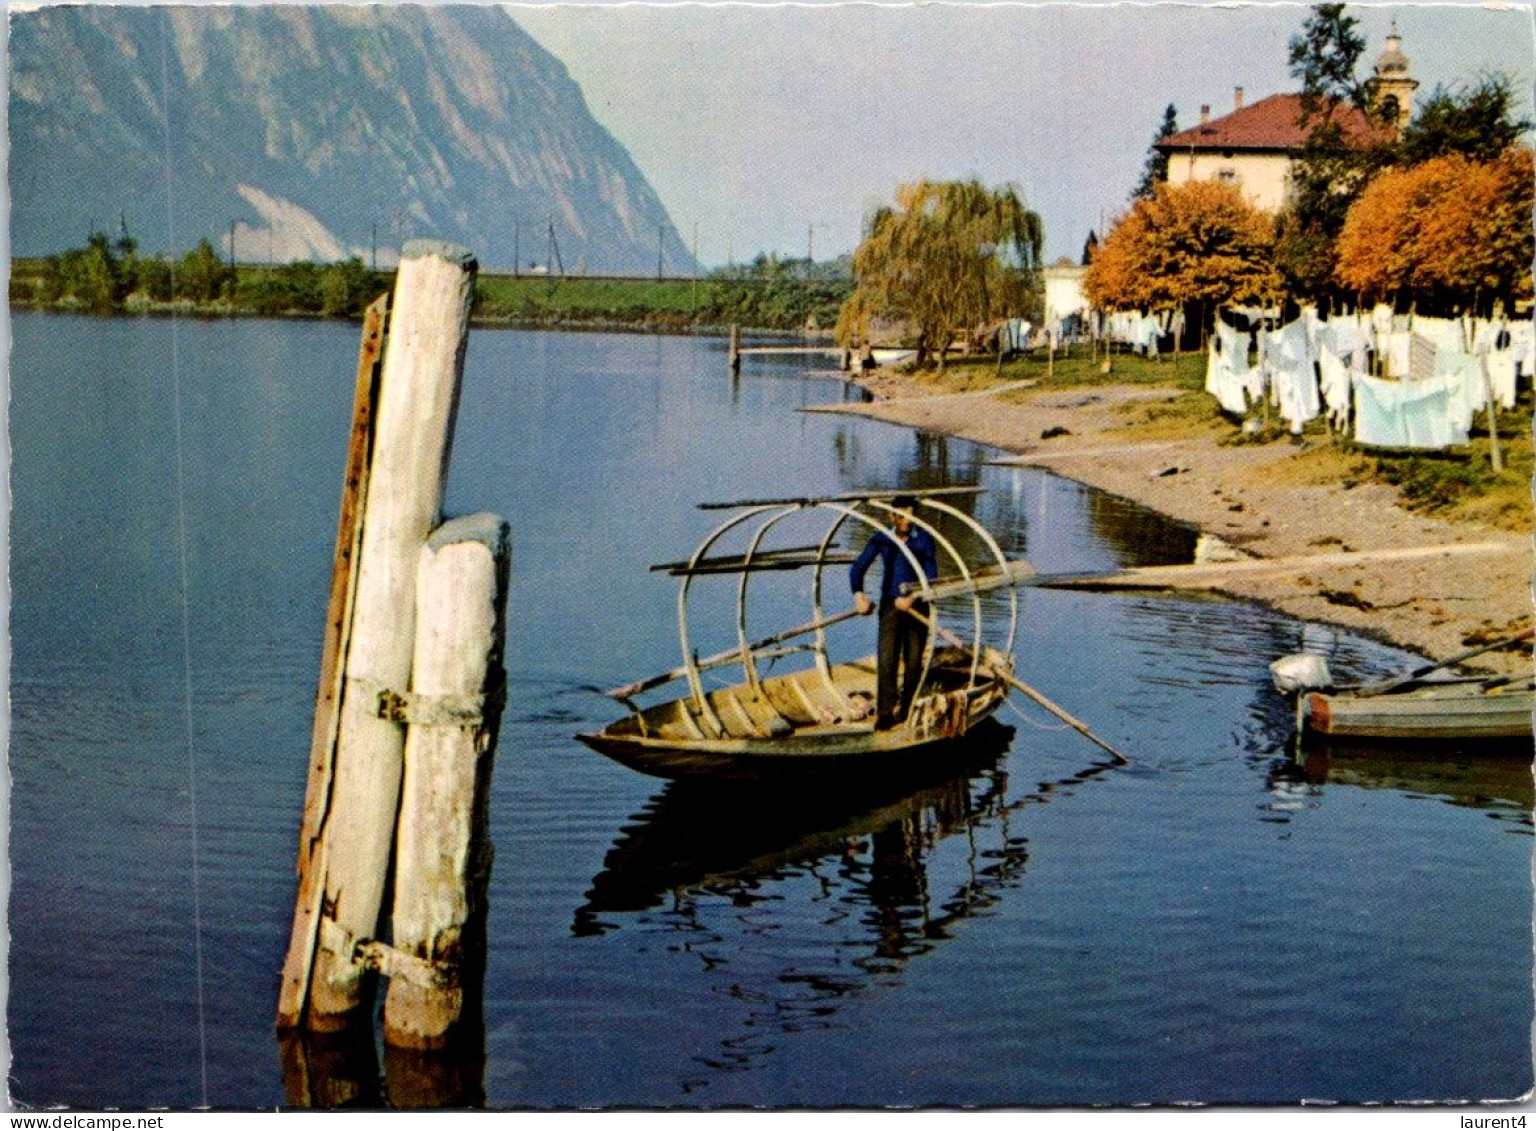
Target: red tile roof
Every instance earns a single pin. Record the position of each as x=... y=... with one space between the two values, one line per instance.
x=1272 y=123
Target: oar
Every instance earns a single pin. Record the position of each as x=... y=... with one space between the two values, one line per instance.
x=1055 y=709
x=1419 y=673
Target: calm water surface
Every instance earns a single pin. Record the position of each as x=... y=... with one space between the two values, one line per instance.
x=1213 y=923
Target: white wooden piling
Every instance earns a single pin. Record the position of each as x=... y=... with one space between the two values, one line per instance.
x=294 y=987
x=452 y=713
x=418 y=397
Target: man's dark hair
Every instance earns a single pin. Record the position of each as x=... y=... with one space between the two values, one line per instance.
x=904 y=502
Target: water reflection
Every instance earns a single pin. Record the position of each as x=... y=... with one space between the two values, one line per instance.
x=329 y=1071
x=1491 y=778
x=796 y=901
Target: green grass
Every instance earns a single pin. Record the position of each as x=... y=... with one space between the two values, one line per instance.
x=575 y=299
x=1079 y=367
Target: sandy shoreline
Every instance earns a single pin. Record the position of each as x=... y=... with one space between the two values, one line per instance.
x=1436 y=604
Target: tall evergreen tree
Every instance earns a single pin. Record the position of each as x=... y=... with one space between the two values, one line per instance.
x=1324 y=56
x=1155 y=170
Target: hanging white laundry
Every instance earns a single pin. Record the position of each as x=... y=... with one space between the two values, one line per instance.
x=1398 y=346
x=1421 y=357
x=1290 y=372
x=1335 y=384
x=1406 y=414
x=1445 y=333
x=1523 y=343
x=1501 y=375
x=1228 y=376
x=1469 y=392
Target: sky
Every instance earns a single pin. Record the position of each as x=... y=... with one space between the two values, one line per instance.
x=776 y=128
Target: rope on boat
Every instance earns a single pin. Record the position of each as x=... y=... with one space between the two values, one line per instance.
x=1017 y=710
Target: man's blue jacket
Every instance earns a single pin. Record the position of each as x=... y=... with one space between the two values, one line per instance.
x=895 y=570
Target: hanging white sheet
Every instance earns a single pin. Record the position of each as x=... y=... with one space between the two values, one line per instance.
x=1407 y=414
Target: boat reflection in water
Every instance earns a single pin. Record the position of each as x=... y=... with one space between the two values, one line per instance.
x=1492 y=776
x=726 y=837
x=854 y=880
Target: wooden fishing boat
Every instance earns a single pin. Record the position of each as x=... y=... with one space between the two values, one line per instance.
x=820 y=716
x=1460 y=709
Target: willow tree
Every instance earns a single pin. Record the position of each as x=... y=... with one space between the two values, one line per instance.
x=948 y=256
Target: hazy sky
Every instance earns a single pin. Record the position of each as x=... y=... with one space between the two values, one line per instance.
x=774 y=128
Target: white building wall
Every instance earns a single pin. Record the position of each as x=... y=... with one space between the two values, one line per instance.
x=1264 y=177
x=1064 y=292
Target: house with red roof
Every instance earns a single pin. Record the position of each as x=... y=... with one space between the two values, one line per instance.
x=1253 y=146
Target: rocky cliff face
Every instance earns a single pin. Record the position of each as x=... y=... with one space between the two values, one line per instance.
x=317 y=133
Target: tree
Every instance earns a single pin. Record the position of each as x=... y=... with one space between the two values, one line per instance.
x=1090 y=247
x=92 y=274
x=1155 y=171
x=1199 y=245
x=948 y=256
x=1475 y=121
x=201 y=274
x=1324 y=57
x=1334 y=164
x=1448 y=234
x=347 y=288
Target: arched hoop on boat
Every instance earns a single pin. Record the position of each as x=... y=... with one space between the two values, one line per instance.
x=844 y=510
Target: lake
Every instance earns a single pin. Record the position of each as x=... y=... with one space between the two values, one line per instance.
x=1214 y=922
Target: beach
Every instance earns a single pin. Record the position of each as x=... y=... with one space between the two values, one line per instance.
x=1361 y=559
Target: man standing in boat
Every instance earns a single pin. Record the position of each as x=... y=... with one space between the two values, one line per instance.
x=899 y=658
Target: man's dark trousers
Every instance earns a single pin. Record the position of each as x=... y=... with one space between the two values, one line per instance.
x=901 y=642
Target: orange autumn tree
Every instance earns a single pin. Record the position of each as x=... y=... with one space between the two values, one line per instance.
x=1199 y=244
x=1449 y=234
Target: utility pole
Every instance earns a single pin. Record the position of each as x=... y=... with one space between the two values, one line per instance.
x=694 y=301
x=554 y=248
x=231 y=245
x=373 y=262
x=517 y=253
x=659 y=236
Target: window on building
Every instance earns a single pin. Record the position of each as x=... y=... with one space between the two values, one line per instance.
x=1228 y=177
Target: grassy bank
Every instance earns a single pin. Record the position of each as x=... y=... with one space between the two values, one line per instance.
x=1459 y=485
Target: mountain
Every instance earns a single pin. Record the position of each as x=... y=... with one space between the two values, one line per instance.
x=317 y=132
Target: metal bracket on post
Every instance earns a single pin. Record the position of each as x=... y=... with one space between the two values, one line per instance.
x=420 y=710
x=371 y=954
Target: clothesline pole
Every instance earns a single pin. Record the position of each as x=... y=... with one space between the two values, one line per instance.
x=1493 y=418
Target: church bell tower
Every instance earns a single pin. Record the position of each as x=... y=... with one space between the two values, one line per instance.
x=1392 y=88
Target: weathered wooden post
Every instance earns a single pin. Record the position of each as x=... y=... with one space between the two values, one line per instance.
x=452 y=712
x=417 y=400
x=735 y=350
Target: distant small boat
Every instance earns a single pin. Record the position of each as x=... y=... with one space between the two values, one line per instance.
x=820 y=717
x=1441 y=710
x=890 y=355
x=1411 y=706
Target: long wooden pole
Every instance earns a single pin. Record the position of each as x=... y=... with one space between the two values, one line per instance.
x=1419 y=673
x=418 y=398
x=1018 y=684
x=442 y=846
x=294 y=987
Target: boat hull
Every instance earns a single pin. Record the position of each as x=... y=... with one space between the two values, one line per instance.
x=738 y=737
x=1425 y=713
